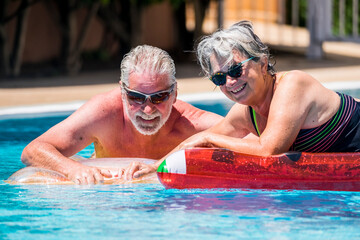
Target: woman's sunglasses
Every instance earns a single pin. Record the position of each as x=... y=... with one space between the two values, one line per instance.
x=155 y=98
x=234 y=71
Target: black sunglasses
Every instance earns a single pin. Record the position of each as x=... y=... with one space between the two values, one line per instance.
x=155 y=98
x=234 y=71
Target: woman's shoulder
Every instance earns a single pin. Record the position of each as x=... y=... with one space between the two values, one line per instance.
x=295 y=79
x=293 y=75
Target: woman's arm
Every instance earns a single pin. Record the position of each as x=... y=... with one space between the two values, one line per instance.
x=295 y=103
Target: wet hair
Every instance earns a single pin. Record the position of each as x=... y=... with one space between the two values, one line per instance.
x=222 y=43
x=147 y=59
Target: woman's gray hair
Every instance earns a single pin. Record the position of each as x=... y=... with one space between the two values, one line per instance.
x=148 y=59
x=239 y=37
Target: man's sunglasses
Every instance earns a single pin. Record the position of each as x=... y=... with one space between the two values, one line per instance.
x=155 y=98
x=234 y=71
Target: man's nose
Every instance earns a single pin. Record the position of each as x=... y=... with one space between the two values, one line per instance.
x=148 y=107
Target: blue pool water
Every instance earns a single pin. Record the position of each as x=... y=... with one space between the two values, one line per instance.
x=148 y=211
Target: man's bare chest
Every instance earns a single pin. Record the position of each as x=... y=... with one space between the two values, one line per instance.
x=129 y=147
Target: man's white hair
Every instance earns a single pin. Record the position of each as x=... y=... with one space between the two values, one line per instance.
x=147 y=59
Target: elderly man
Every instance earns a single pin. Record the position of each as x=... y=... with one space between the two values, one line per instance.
x=142 y=118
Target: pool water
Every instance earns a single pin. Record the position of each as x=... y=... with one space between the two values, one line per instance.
x=148 y=211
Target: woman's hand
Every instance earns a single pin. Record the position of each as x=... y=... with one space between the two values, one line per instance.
x=201 y=139
x=138 y=169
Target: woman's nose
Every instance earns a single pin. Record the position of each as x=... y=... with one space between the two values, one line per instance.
x=230 y=80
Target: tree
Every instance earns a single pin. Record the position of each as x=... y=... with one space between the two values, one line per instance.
x=11 y=59
x=200 y=8
x=116 y=19
x=72 y=41
x=121 y=19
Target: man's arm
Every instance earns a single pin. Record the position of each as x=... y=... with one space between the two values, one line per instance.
x=53 y=148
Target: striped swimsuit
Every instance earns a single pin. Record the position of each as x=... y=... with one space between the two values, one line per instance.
x=339 y=134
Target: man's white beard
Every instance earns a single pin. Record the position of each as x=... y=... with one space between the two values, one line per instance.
x=142 y=127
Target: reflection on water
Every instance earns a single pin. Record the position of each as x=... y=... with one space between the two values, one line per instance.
x=149 y=210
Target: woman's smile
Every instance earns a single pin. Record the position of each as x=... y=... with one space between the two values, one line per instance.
x=238 y=89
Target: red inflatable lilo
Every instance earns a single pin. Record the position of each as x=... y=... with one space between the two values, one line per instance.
x=221 y=168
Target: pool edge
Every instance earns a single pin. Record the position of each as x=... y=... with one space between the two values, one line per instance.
x=62 y=108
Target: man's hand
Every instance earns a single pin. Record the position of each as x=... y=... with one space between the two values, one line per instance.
x=138 y=169
x=88 y=175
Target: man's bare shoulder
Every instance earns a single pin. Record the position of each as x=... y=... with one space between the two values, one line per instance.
x=107 y=102
x=199 y=118
x=100 y=108
x=190 y=111
x=100 y=114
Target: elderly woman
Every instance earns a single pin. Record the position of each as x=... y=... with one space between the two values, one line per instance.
x=288 y=111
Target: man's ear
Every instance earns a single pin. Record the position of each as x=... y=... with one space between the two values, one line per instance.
x=176 y=93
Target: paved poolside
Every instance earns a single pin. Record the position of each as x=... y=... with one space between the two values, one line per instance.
x=342 y=64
